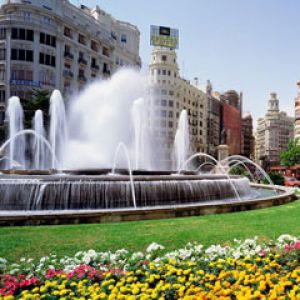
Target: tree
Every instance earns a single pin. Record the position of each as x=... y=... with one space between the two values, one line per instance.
x=276 y=177
x=40 y=100
x=239 y=170
x=291 y=156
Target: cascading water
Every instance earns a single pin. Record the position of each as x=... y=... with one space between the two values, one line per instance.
x=58 y=127
x=15 y=117
x=182 y=140
x=38 y=147
x=141 y=134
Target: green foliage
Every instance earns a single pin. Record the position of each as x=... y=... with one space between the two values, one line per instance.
x=276 y=177
x=291 y=156
x=239 y=170
x=40 y=100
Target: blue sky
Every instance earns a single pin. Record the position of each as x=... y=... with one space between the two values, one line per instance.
x=252 y=46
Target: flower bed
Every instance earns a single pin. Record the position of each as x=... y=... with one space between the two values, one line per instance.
x=245 y=270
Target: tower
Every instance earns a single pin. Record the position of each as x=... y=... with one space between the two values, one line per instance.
x=273 y=103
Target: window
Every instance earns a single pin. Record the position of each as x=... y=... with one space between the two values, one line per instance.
x=26 y=15
x=169 y=73
x=171 y=103
x=68 y=32
x=164 y=92
x=2 y=54
x=2 y=95
x=105 y=51
x=106 y=69
x=94 y=46
x=113 y=35
x=164 y=102
x=158 y=71
x=163 y=113
x=21 y=74
x=47 y=20
x=48 y=60
x=21 y=54
x=22 y=34
x=2 y=114
x=47 y=77
x=47 y=39
x=164 y=72
x=170 y=124
x=2 y=74
x=170 y=114
x=29 y=55
x=81 y=39
x=2 y=33
x=164 y=58
x=123 y=38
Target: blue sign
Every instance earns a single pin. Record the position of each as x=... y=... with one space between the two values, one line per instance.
x=26 y=82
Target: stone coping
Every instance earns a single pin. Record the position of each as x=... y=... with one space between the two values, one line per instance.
x=20 y=218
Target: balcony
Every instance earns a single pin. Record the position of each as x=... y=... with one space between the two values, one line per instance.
x=68 y=74
x=82 y=79
x=69 y=55
x=82 y=61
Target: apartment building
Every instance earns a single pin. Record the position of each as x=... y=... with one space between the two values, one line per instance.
x=174 y=94
x=231 y=121
x=297 y=114
x=214 y=111
x=247 y=136
x=273 y=133
x=49 y=44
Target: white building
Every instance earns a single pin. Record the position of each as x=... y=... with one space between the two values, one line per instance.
x=53 y=44
x=173 y=94
x=297 y=114
x=273 y=133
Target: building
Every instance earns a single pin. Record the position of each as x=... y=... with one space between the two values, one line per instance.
x=174 y=94
x=231 y=121
x=214 y=110
x=49 y=44
x=297 y=114
x=247 y=136
x=273 y=133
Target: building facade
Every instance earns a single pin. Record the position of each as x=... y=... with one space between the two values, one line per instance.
x=297 y=114
x=49 y=44
x=214 y=111
x=273 y=133
x=247 y=136
x=172 y=95
x=231 y=121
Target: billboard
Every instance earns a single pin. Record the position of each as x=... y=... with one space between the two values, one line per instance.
x=164 y=37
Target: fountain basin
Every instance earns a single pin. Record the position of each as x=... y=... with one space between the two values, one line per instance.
x=65 y=199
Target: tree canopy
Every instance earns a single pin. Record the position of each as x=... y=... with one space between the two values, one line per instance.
x=291 y=156
x=39 y=100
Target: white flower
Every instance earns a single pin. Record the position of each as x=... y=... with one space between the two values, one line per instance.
x=137 y=255
x=154 y=247
x=86 y=259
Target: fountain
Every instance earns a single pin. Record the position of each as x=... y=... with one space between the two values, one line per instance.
x=182 y=140
x=38 y=147
x=58 y=129
x=80 y=169
x=17 y=147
